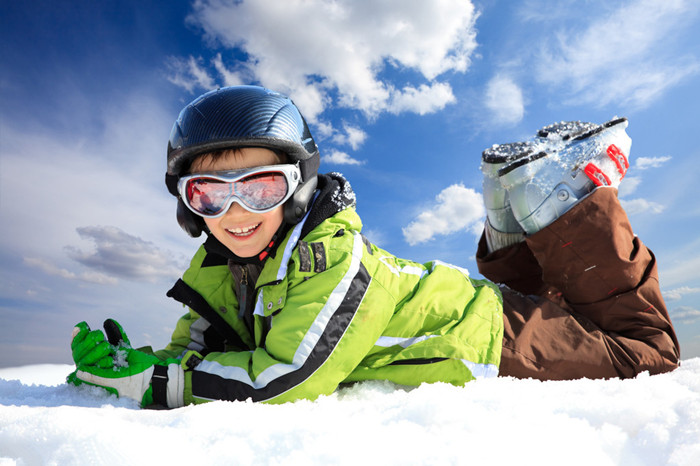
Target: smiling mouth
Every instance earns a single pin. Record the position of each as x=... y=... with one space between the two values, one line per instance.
x=243 y=232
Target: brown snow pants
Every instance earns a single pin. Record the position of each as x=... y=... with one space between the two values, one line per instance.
x=582 y=298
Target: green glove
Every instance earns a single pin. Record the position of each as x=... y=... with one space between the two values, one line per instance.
x=90 y=347
x=121 y=370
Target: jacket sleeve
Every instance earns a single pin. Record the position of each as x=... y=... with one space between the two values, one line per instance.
x=184 y=337
x=323 y=330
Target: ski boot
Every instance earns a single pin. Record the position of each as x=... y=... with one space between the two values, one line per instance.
x=501 y=229
x=569 y=160
x=498 y=211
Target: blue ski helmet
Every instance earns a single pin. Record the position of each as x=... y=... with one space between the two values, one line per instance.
x=236 y=117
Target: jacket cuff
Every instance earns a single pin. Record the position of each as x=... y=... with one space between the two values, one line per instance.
x=167 y=384
x=189 y=361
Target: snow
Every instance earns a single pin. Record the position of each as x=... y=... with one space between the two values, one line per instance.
x=649 y=420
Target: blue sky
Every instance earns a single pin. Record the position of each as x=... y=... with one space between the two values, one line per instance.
x=402 y=97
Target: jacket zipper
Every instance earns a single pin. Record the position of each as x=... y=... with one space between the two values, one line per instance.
x=243 y=305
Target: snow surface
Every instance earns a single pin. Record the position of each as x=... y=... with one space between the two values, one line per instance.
x=643 y=421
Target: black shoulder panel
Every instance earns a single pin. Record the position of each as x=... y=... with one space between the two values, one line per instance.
x=185 y=294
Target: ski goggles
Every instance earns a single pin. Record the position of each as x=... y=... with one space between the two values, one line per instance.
x=257 y=190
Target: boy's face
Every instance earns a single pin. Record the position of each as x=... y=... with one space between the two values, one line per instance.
x=245 y=233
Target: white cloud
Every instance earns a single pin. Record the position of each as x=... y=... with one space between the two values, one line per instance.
x=316 y=50
x=546 y=11
x=426 y=99
x=101 y=163
x=641 y=206
x=627 y=56
x=352 y=136
x=505 y=100
x=111 y=176
x=677 y=294
x=323 y=129
x=230 y=78
x=119 y=254
x=642 y=163
x=681 y=267
x=629 y=185
x=48 y=268
x=340 y=158
x=189 y=74
x=52 y=269
x=456 y=209
x=685 y=315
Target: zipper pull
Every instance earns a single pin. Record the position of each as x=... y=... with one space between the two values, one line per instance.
x=243 y=299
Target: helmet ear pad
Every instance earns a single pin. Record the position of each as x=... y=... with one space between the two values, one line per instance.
x=191 y=223
x=295 y=208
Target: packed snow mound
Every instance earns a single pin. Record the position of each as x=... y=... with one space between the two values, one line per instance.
x=649 y=420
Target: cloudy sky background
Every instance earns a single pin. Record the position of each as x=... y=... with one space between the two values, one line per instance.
x=402 y=97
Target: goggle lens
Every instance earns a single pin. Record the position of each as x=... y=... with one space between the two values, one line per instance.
x=257 y=192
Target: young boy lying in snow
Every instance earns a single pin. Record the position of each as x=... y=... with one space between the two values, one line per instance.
x=287 y=299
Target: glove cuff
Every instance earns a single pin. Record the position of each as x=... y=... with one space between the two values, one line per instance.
x=168 y=384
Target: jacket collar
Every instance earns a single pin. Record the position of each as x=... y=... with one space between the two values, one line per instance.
x=334 y=194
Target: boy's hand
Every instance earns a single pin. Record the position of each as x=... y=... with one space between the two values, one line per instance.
x=129 y=375
x=90 y=347
x=115 y=334
x=112 y=364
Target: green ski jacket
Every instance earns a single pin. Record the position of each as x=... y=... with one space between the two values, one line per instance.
x=329 y=308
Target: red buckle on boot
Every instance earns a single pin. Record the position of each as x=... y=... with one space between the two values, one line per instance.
x=597 y=176
x=619 y=158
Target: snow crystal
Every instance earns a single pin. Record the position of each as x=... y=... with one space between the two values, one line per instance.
x=120 y=358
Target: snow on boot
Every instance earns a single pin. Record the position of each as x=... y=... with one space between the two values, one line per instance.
x=570 y=160
x=565 y=130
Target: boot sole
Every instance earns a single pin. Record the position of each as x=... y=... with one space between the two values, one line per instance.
x=529 y=158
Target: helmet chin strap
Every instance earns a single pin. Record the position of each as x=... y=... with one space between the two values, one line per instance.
x=271 y=248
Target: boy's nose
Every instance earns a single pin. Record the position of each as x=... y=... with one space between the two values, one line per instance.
x=235 y=209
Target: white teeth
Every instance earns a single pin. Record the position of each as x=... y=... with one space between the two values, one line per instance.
x=242 y=231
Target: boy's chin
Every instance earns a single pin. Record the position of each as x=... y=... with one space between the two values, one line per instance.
x=244 y=253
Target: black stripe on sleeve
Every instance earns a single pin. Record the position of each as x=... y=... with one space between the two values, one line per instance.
x=368 y=244
x=417 y=362
x=214 y=387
